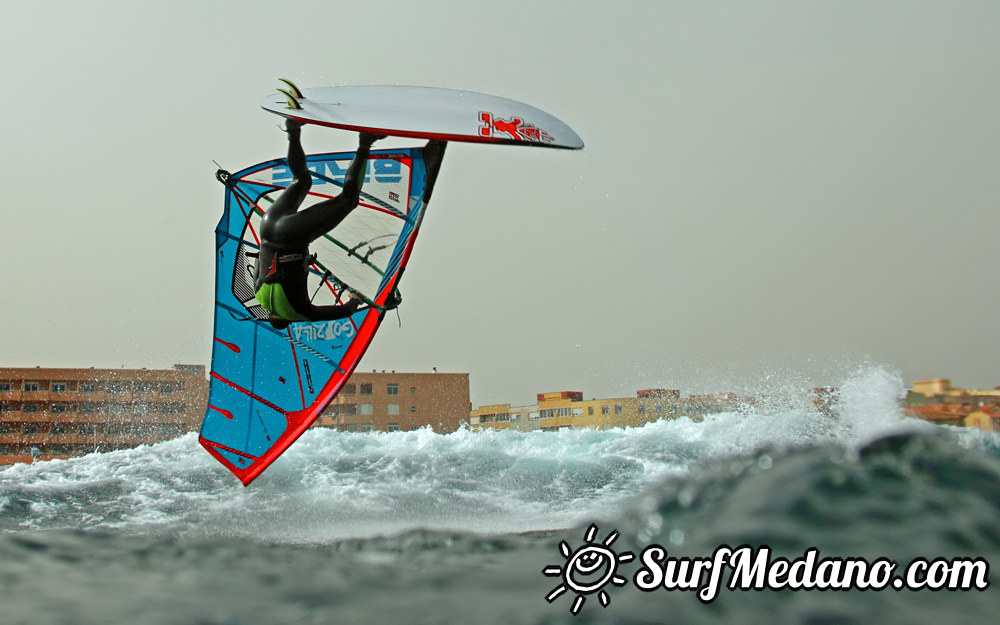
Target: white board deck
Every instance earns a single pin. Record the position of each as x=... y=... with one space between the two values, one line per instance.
x=429 y=113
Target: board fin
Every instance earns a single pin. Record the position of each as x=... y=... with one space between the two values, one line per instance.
x=293 y=102
x=295 y=91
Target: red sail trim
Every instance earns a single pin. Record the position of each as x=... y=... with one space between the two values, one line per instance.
x=249 y=394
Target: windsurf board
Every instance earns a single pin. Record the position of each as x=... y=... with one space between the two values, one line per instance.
x=424 y=112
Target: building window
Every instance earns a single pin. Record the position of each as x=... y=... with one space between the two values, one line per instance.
x=392 y=389
x=31 y=387
x=29 y=428
x=392 y=427
x=367 y=427
x=605 y=410
x=29 y=408
x=366 y=409
x=116 y=387
x=413 y=408
x=166 y=388
x=349 y=389
x=87 y=387
x=4 y=428
x=59 y=408
x=393 y=410
x=59 y=387
x=642 y=408
x=413 y=389
x=590 y=411
x=618 y=408
x=143 y=387
x=88 y=428
x=366 y=389
x=4 y=387
x=58 y=429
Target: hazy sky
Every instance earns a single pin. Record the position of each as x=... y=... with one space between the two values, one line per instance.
x=768 y=190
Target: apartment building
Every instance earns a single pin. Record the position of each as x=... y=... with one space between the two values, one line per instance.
x=392 y=402
x=61 y=413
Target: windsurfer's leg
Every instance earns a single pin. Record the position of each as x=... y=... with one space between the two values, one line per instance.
x=291 y=198
x=313 y=222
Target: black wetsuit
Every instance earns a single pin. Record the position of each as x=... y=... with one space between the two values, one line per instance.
x=286 y=232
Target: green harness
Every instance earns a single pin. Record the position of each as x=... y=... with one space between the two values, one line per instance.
x=272 y=297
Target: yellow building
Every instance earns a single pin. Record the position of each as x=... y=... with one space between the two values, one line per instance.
x=568 y=409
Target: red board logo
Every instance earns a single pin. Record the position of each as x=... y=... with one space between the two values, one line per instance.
x=513 y=128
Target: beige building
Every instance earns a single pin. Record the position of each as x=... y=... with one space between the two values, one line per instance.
x=60 y=413
x=940 y=391
x=505 y=416
x=391 y=402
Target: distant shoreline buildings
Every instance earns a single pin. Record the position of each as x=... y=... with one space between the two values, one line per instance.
x=938 y=401
x=61 y=413
x=568 y=409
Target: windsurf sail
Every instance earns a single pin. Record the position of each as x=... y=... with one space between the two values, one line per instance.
x=267 y=386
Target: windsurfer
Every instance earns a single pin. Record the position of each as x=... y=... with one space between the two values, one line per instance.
x=286 y=232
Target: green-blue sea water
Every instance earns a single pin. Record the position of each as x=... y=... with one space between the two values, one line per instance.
x=416 y=527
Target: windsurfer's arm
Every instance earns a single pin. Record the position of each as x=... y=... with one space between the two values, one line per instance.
x=299 y=299
x=330 y=313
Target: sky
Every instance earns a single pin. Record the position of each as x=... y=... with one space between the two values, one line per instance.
x=770 y=190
